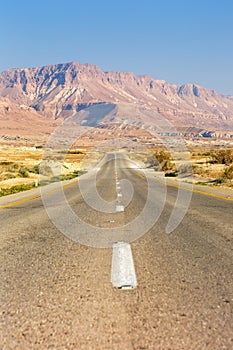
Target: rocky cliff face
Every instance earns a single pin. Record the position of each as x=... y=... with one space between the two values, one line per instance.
x=58 y=91
x=20 y=121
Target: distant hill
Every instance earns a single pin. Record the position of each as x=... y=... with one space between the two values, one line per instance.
x=59 y=91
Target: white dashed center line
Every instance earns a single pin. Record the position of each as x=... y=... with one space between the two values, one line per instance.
x=120 y=208
x=123 y=272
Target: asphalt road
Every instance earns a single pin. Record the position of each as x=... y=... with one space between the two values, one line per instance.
x=57 y=294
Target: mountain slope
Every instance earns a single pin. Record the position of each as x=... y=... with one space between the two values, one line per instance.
x=21 y=121
x=58 y=91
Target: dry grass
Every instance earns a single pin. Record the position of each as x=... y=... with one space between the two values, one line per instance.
x=21 y=165
x=213 y=166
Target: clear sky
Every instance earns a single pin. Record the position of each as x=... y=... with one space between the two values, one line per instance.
x=181 y=41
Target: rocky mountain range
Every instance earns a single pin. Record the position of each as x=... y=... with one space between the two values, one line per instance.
x=50 y=93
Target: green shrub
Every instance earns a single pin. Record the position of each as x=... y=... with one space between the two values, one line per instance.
x=171 y=174
x=23 y=172
x=35 y=169
x=24 y=187
x=4 y=163
x=219 y=181
x=15 y=189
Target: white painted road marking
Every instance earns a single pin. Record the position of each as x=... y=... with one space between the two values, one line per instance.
x=123 y=272
x=120 y=208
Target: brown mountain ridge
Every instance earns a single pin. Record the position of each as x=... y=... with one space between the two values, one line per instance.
x=59 y=91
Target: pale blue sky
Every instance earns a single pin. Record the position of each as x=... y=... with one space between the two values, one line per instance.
x=181 y=41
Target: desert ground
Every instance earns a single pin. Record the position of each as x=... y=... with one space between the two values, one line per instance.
x=20 y=166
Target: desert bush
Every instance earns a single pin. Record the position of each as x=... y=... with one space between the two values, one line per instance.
x=35 y=169
x=206 y=154
x=167 y=165
x=74 y=152
x=9 y=166
x=198 y=170
x=222 y=157
x=161 y=160
x=15 y=166
x=4 y=163
x=219 y=181
x=23 y=172
x=162 y=156
x=228 y=173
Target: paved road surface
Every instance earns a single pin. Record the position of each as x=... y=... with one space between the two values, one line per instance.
x=57 y=294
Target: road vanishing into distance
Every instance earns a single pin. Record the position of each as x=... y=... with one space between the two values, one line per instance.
x=57 y=293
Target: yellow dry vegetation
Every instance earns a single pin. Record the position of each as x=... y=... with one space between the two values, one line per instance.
x=21 y=165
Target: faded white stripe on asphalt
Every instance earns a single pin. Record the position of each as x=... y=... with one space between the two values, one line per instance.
x=120 y=208
x=123 y=272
